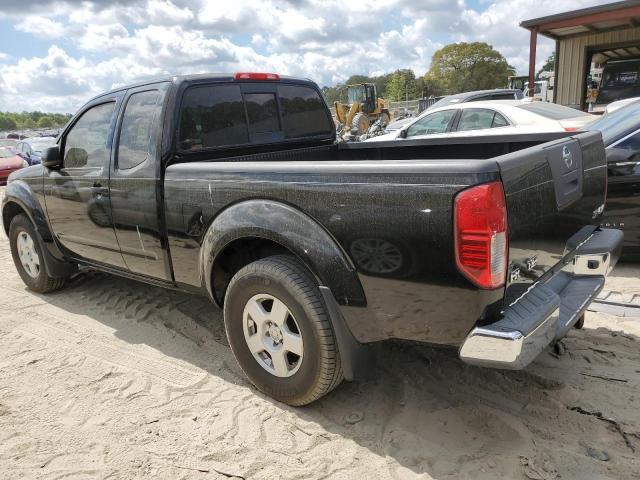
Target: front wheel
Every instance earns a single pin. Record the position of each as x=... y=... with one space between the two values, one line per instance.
x=280 y=332
x=28 y=257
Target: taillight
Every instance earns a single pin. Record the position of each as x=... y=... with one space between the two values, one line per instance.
x=256 y=76
x=570 y=129
x=480 y=229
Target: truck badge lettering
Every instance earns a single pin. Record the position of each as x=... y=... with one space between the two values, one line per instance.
x=567 y=156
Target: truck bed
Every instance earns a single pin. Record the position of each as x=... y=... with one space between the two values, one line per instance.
x=370 y=198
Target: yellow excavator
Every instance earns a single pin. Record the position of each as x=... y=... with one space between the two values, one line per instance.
x=363 y=108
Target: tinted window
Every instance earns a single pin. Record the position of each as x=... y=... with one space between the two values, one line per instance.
x=138 y=128
x=212 y=116
x=262 y=112
x=475 y=119
x=494 y=96
x=434 y=123
x=303 y=112
x=552 y=110
x=86 y=142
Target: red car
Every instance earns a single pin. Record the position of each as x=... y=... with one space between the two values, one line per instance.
x=9 y=163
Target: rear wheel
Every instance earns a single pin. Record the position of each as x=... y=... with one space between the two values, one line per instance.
x=280 y=332
x=28 y=257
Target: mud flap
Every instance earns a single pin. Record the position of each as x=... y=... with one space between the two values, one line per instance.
x=355 y=356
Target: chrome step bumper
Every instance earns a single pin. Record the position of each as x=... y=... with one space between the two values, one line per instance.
x=547 y=311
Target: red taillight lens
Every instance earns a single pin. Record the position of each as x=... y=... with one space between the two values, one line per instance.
x=256 y=76
x=570 y=129
x=480 y=229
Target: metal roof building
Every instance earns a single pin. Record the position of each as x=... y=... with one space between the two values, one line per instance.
x=596 y=34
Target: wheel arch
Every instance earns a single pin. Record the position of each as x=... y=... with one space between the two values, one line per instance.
x=20 y=199
x=254 y=229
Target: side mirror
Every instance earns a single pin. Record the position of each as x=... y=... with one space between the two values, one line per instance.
x=403 y=133
x=51 y=157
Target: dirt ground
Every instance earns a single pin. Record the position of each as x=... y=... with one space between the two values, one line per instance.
x=114 y=379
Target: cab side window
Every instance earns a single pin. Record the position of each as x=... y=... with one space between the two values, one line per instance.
x=138 y=129
x=86 y=143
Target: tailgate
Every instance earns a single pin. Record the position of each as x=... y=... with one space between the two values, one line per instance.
x=555 y=192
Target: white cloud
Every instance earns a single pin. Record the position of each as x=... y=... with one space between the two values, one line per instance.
x=118 y=41
x=41 y=27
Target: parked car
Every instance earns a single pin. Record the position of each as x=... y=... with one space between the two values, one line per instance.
x=621 y=134
x=31 y=148
x=398 y=124
x=9 y=163
x=479 y=96
x=613 y=106
x=313 y=248
x=500 y=117
x=10 y=143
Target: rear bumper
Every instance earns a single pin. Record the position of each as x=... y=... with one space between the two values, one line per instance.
x=547 y=311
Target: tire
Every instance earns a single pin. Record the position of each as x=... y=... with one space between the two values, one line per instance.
x=360 y=124
x=23 y=239
x=265 y=289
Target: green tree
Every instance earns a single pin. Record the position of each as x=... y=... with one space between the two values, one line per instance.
x=46 y=121
x=402 y=85
x=24 y=120
x=549 y=65
x=7 y=123
x=463 y=67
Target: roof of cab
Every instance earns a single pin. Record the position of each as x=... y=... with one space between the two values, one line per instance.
x=196 y=78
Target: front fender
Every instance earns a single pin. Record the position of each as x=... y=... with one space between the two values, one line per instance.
x=292 y=229
x=20 y=193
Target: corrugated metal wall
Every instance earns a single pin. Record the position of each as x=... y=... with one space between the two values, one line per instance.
x=570 y=84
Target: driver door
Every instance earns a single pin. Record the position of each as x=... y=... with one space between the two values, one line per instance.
x=77 y=194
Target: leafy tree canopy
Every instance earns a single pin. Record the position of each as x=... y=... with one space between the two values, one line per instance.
x=464 y=67
x=26 y=120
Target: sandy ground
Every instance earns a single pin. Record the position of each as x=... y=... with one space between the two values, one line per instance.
x=114 y=379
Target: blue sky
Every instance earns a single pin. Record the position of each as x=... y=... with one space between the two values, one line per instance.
x=55 y=54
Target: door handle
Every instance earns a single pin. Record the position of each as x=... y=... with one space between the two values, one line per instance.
x=99 y=190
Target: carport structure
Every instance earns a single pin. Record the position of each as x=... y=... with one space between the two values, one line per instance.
x=599 y=34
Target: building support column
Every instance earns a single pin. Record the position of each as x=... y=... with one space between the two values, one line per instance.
x=533 y=44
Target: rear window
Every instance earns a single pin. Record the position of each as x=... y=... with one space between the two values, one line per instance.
x=552 y=110
x=494 y=96
x=221 y=115
x=263 y=112
x=303 y=112
x=212 y=116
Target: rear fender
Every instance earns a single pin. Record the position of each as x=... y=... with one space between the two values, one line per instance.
x=292 y=229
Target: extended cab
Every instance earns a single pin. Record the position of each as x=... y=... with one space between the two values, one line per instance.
x=233 y=187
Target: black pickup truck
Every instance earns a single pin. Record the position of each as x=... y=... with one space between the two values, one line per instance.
x=234 y=187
